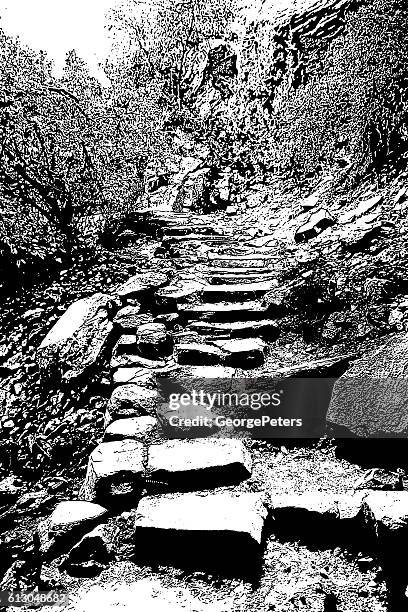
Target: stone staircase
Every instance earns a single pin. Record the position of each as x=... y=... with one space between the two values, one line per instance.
x=190 y=501
x=223 y=298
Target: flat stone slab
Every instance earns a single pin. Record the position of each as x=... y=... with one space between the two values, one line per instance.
x=179 y=290
x=238 y=288
x=129 y=318
x=221 y=309
x=140 y=283
x=129 y=360
x=248 y=352
x=191 y=464
x=78 y=339
x=132 y=401
x=115 y=470
x=371 y=398
x=137 y=376
x=238 y=329
x=136 y=428
x=220 y=522
x=197 y=354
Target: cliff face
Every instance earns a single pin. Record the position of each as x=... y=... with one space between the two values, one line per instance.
x=311 y=82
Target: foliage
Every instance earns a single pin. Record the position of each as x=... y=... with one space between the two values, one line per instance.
x=166 y=37
x=71 y=152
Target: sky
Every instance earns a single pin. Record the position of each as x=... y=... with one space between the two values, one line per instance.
x=57 y=26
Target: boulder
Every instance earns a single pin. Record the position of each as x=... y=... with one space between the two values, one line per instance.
x=215 y=531
x=370 y=399
x=70 y=519
x=317 y=222
x=115 y=472
x=129 y=318
x=131 y=401
x=91 y=554
x=153 y=340
x=192 y=464
x=136 y=428
x=141 y=283
x=78 y=339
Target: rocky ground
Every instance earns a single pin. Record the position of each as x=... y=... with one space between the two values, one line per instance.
x=229 y=294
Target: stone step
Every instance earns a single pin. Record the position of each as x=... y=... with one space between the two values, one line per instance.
x=237 y=292
x=243 y=353
x=237 y=311
x=230 y=271
x=238 y=329
x=194 y=237
x=246 y=278
x=185 y=465
x=199 y=354
x=213 y=531
x=248 y=261
x=183 y=230
x=115 y=471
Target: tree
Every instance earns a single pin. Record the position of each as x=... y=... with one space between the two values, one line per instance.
x=166 y=36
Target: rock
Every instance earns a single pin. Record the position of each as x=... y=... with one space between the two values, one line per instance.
x=191 y=464
x=9 y=490
x=214 y=531
x=330 y=366
x=243 y=353
x=129 y=319
x=276 y=301
x=386 y=512
x=196 y=354
x=310 y=202
x=76 y=342
x=317 y=223
x=231 y=210
x=134 y=376
x=136 y=428
x=178 y=291
x=141 y=283
x=169 y=319
x=370 y=399
x=69 y=520
x=126 y=343
x=361 y=209
x=291 y=507
x=153 y=340
x=91 y=554
x=115 y=472
x=131 y=401
x=131 y=361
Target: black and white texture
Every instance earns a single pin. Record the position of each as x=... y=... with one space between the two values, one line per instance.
x=220 y=207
